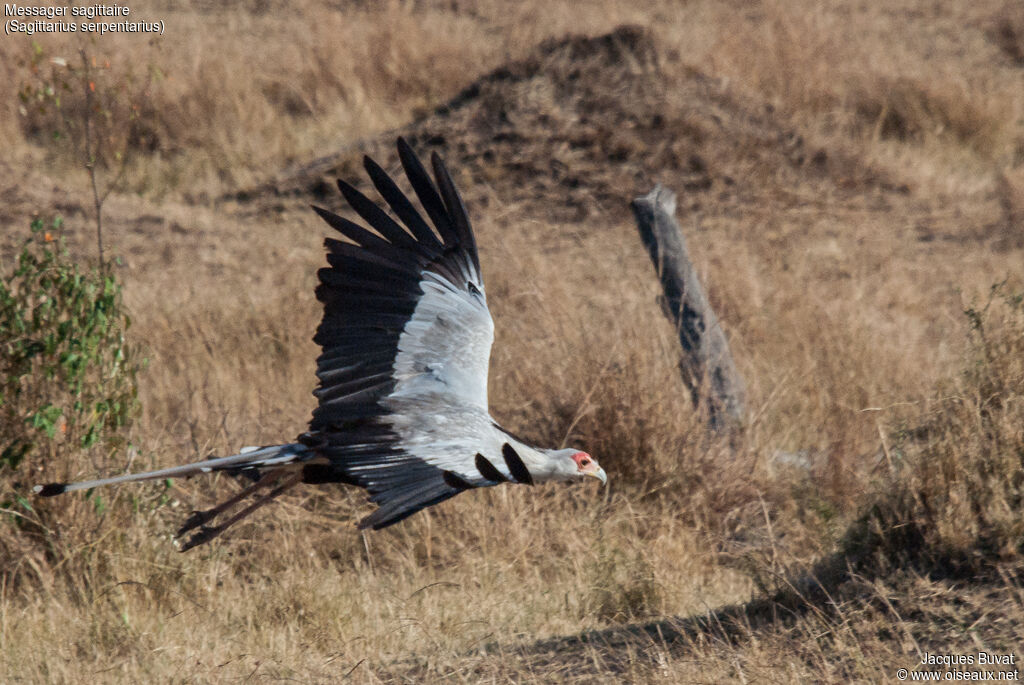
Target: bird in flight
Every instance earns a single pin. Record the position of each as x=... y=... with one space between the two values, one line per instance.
x=406 y=342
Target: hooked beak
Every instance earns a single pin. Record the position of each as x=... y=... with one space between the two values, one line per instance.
x=599 y=474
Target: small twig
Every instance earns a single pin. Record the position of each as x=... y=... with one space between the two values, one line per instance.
x=366 y=545
x=352 y=670
x=444 y=583
x=885 y=448
x=90 y=155
x=117 y=179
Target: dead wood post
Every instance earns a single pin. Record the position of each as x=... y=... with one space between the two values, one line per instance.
x=707 y=365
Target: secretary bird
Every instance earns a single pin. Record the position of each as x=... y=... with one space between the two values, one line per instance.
x=406 y=338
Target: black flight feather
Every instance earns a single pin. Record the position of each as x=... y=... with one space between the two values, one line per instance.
x=376 y=217
x=515 y=465
x=401 y=206
x=425 y=191
x=456 y=481
x=355 y=232
x=456 y=210
x=488 y=470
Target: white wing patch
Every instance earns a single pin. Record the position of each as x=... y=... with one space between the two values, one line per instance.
x=445 y=348
x=439 y=403
x=448 y=438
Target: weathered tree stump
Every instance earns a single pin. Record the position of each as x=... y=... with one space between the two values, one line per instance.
x=707 y=366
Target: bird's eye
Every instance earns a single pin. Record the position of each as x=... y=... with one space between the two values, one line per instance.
x=584 y=462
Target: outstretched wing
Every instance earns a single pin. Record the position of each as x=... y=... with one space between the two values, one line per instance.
x=406 y=338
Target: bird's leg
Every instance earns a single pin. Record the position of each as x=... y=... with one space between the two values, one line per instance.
x=199 y=518
x=206 y=534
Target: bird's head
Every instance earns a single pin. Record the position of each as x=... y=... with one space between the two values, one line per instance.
x=586 y=465
x=576 y=464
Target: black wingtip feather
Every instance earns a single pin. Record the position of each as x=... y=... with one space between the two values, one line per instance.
x=456 y=209
x=424 y=188
x=488 y=470
x=456 y=481
x=515 y=465
x=371 y=242
x=402 y=207
x=50 y=489
x=374 y=215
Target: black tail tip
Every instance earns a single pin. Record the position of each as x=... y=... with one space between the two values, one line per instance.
x=50 y=489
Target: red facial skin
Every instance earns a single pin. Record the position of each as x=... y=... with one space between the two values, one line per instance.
x=587 y=466
x=583 y=460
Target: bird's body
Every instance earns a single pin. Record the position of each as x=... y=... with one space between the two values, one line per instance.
x=406 y=338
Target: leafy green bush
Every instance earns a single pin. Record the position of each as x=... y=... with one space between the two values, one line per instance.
x=68 y=387
x=67 y=375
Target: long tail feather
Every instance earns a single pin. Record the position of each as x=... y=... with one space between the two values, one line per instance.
x=263 y=457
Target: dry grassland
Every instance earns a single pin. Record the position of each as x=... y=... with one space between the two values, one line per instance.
x=851 y=179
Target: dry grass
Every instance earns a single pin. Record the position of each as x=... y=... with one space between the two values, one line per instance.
x=850 y=181
x=898 y=77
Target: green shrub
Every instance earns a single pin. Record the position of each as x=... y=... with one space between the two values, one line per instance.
x=68 y=391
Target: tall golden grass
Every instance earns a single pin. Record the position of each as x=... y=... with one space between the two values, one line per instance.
x=875 y=404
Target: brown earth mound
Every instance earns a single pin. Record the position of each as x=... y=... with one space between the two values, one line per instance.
x=586 y=123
